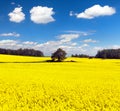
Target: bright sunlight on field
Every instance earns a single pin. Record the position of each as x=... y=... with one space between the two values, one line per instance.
x=30 y=84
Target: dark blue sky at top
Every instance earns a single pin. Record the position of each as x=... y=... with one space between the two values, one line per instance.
x=106 y=28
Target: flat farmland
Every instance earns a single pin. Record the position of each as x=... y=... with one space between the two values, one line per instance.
x=31 y=84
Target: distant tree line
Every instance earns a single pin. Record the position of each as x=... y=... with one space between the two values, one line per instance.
x=23 y=52
x=59 y=55
x=108 y=53
x=81 y=55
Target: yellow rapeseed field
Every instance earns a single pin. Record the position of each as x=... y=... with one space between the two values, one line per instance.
x=30 y=84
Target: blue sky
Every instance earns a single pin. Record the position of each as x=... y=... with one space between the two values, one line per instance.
x=80 y=26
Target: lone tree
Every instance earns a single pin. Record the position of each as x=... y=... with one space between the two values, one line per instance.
x=59 y=55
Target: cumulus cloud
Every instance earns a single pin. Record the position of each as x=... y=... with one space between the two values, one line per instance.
x=8 y=44
x=15 y=44
x=73 y=44
x=68 y=37
x=11 y=34
x=116 y=46
x=41 y=15
x=85 y=45
x=63 y=41
x=48 y=47
x=66 y=41
x=98 y=48
x=89 y=41
x=96 y=11
x=29 y=43
x=17 y=15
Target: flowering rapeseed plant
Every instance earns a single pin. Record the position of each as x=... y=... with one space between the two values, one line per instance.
x=28 y=84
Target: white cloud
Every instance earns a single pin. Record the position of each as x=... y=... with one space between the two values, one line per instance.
x=10 y=44
x=17 y=15
x=7 y=41
x=14 y=44
x=96 y=11
x=85 y=45
x=81 y=33
x=12 y=3
x=41 y=15
x=116 y=46
x=73 y=44
x=107 y=47
x=29 y=43
x=71 y=13
x=64 y=41
x=68 y=37
x=89 y=41
x=98 y=48
x=49 y=47
x=11 y=34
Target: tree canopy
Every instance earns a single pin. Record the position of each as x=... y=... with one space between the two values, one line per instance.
x=59 y=55
x=109 y=53
x=23 y=52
